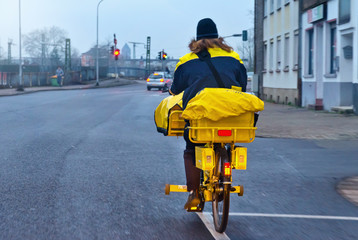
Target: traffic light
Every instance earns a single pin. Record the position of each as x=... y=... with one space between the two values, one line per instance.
x=165 y=56
x=160 y=55
x=116 y=53
x=244 y=35
x=112 y=50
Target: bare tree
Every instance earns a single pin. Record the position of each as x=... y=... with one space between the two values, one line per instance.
x=246 y=50
x=46 y=43
x=75 y=53
x=1 y=52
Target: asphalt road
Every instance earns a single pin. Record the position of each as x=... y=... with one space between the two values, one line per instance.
x=89 y=164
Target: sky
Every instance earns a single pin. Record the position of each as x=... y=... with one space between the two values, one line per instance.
x=171 y=24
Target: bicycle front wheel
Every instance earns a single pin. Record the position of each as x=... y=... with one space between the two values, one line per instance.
x=221 y=194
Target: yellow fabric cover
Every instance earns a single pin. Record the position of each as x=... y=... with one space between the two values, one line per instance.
x=218 y=103
x=161 y=114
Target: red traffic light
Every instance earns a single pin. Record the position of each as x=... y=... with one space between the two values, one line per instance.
x=165 y=56
x=116 y=52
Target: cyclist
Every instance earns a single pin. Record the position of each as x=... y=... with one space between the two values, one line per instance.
x=192 y=74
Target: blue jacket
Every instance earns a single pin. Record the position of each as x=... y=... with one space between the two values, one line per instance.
x=191 y=75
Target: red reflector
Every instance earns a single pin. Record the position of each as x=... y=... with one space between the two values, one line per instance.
x=224 y=133
x=227 y=169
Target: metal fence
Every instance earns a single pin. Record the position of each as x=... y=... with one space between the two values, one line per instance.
x=33 y=79
x=39 y=73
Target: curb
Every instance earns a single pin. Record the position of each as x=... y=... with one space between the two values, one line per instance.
x=103 y=84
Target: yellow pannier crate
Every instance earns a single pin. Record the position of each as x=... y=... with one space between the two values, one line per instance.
x=204 y=158
x=239 y=158
x=162 y=114
x=176 y=122
x=238 y=129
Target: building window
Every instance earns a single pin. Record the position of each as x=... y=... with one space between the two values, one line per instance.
x=344 y=11
x=310 y=51
x=287 y=2
x=333 y=48
x=278 y=4
x=278 y=54
x=271 y=6
x=287 y=53
x=295 y=50
x=265 y=8
x=271 y=56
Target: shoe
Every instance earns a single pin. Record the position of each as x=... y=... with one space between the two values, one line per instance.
x=193 y=200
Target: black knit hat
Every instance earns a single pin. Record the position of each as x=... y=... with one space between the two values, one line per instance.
x=206 y=29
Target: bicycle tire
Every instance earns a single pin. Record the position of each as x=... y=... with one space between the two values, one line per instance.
x=221 y=194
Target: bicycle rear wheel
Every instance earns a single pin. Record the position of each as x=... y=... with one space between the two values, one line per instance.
x=221 y=194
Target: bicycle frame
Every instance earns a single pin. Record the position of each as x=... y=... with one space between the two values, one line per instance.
x=208 y=180
x=216 y=159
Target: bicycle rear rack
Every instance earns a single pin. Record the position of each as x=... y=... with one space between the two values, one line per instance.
x=183 y=188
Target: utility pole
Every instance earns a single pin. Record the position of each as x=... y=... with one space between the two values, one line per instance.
x=147 y=59
x=97 y=68
x=67 y=78
x=9 y=43
x=68 y=55
x=20 y=87
x=162 y=60
x=43 y=50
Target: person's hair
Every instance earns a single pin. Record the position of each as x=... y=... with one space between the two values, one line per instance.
x=197 y=46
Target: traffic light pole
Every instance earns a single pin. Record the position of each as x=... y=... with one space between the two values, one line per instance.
x=116 y=56
x=117 y=69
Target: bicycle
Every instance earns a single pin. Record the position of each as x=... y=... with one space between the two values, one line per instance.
x=216 y=159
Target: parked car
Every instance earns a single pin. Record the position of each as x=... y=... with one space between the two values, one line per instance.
x=160 y=80
x=250 y=76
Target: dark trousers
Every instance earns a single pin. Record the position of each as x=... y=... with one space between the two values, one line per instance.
x=192 y=173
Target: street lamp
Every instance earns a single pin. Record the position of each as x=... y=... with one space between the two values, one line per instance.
x=234 y=35
x=243 y=35
x=97 y=68
x=244 y=39
x=20 y=87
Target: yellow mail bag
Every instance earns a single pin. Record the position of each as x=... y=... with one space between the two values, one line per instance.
x=219 y=103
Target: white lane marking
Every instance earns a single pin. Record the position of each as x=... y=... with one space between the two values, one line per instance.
x=345 y=218
x=208 y=221
x=128 y=91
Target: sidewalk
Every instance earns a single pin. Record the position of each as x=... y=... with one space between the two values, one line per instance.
x=282 y=121
x=276 y=121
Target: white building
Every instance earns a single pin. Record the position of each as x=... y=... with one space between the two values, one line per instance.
x=280 y=39
x=329 y=59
